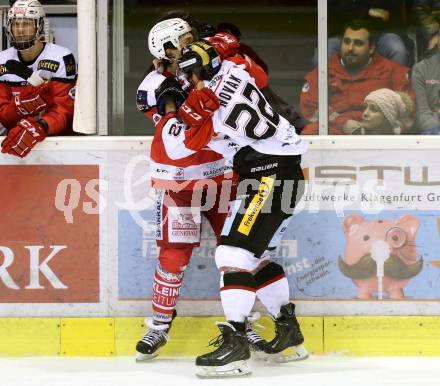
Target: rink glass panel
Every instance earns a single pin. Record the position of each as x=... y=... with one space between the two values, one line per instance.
x=283 y=34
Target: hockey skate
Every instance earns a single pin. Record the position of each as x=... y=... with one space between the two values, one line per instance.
x=256 y=342
x=229 y=359
x=288 y=344
x=156 y=337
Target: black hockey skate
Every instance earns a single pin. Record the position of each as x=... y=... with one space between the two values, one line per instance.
x=257 y=343
x=287 y=336
x=230 y=358
x=156 y=337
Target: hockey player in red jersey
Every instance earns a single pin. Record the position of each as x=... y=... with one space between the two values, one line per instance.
x=184 y=182
x=267 y=151
x=42 y=105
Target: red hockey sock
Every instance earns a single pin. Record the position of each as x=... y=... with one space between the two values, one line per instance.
x=166 y=291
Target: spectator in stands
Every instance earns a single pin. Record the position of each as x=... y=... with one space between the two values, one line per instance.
x=32 y=108
x=426 y=83
x=352 y=74
x=387 y=21
x=427 y=16
x=386 y=112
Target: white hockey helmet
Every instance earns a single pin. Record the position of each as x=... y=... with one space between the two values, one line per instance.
x=26 y=10
x=166 y=31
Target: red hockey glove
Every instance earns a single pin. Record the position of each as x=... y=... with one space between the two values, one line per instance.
x=199 y=105
x=225 y=44
x=23 y=137
x=197 y=137
x=34 y=101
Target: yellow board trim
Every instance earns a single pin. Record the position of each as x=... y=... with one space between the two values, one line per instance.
x=354 y=335
x=88 y=336
x=29 y=336
x=383 y=335
x=256 y=205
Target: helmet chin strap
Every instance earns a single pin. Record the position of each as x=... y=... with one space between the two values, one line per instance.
x=19 y=47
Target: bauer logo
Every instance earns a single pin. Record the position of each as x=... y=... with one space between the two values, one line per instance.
x=44 y=258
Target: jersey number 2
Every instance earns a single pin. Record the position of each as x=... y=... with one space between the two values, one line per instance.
x=255 y=115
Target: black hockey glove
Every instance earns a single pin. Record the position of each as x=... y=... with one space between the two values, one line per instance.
x=169 y=89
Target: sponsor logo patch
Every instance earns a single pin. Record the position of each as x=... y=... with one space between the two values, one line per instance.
x=142 y=100
x=159 y=218
x=183 y=225
x=70 y=64
x=255 y=206
x=72 y=92
x=48 y=65
x=179 y=174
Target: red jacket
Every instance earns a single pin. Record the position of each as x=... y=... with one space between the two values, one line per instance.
x=346 y=93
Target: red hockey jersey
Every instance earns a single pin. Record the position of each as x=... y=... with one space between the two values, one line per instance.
x=190 y=169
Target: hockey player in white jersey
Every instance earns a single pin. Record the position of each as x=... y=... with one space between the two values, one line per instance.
x=228 y=113
x=34 y=107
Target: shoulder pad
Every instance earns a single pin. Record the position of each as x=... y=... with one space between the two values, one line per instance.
x=146 y=90
x=57 y=63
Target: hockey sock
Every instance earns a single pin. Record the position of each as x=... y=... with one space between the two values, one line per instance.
x=237 y=293
x=166 y=291
x=272 y=288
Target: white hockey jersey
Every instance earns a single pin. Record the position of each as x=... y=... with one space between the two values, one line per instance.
x=53 y=63
x=246 y=118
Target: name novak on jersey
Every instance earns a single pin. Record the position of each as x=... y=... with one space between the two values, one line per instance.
x=229 y=87
x=247 y=118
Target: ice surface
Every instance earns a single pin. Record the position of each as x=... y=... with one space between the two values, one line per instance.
x=325 y=370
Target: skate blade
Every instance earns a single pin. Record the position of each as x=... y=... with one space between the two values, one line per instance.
x=260 y=355
x=291 y=354
x=146 y=357
x=231 y=370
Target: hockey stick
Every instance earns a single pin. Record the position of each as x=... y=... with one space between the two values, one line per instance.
x=20 y=69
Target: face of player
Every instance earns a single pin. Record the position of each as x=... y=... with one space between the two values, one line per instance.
x=356 y=50
x=24 y=30
x=373 y=120
x=184 y=41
